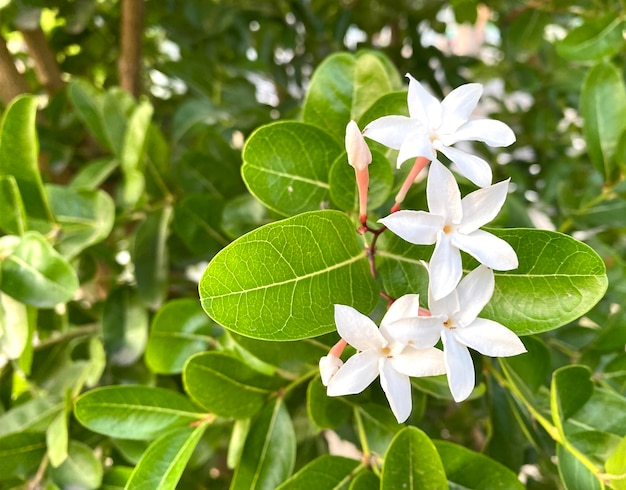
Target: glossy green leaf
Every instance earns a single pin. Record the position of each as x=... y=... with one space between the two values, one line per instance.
x=82 y=469
x=162 y=465
x=343 y=190
x=85 y=217
x=328 y=472
x=574 y=475
x=12 y=212
x=280 y=282
x=151 y=259
x=19 y=153
x=21 y=454
x=14 y=330
x=224 y=385
x=468 y=469
x=37 y=275
x=179 y=330
x=115 y=478
x=92 y=175
x=365 y=480
x=325 y=411
x=34 y=415
x=124 y=326
x=134 y=412
x=379 y=424
x=616 y=465
x=412 y=462
x=88 y=103
x=570 y=390
x=197 y=221
x=269 y=453
x=603 y=108
x=342 y=88
x=596 y=39
x=605 y=411
x=286 y=166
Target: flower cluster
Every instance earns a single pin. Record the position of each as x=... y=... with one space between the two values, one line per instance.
x=406 y=342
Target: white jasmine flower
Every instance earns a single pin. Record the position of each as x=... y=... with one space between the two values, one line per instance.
x=453 y=225
x=329 y=365
x=436 y=126
x=459 y=327
x=381 y=354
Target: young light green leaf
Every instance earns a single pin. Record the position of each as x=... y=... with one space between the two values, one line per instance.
x=574 y=475
x=412 y=463
x=151 y=258
x=269 y=452
x=342 y=88
x=467 y=469
x=37 y=275
x=603 y=108
x=92 y=175
x=162 y=465
x=13 y=327
x=594 y=40
x=19 y=153
x=34 y=415
x=124 y=326
x=226 y=386
x=134 y=412
x=12 y=212
x=82 y=469
x=135 y=136
x=236 y=443
x=179 y=330
x=21 y=454
x=286 y=166
x=571 y=388
x=280 y=282
x=616 y=465
x=57 y=440
x=328 y=472
x=85 y=217
x=115 y=478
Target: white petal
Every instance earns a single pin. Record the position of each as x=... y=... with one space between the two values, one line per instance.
x=416 y=144
x=420 y=362
x=329 y=365
x=447 y=306
x=482 y=206
x=423 y=106
x=405 y=306
x=357 y=329
x=397 y=387
x=474 y=292
x=355 y=375
x=487 y=249
x=489 y=131
x=490 y=338
x=443 y=194
x=391 y=131
x=459 y=367
x=419 y=332
x=418 y=227
x=458 y=105
x=470 y=166
x=445 y=267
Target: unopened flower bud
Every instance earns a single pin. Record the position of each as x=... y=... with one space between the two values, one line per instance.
x=329 y=365
x=359 y=155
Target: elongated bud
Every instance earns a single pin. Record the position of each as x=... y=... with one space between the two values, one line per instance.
x=329 y=365
x=359 y=155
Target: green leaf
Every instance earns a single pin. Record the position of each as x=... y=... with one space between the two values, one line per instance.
x=365 y=480
x=270 y=451
x=280 y=282
x=12 y=212
x=92 y=175
x=595 y=39
x=116 y=105
x=162 y=465
x=571 y=388
x=605 y=411
x=116 y=477
x=179 y=330
x=379 y=424
x=286 y=165
x=342 y=88
x=325 y=411
x=134 y=412
x=468 y=469
x=150 y=256
x=33 y=415
x=85 y=217
x=37 y=275
x=197 y=221
x=616 y=465
x=19 y=153
x=57 y=440
x=534 y=367
x=603 y=108
x=82 y=469
x=328 y=472
x=124 y=326
x=21 y=454
x=595 y=445
x=236 y=443
x=574 y=475
x=88 y=103
x=135 y=136
x=412 y=462
x=14 y=329
x=225 y=386
x=343 y=189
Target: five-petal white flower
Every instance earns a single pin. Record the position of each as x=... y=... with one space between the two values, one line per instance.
x=452 y=225
x=459 y=328
x=381 y=353
x=436 y=126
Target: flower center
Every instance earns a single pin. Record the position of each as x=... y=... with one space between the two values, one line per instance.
x=447 y=229
x=449 y=324
x=386 y=351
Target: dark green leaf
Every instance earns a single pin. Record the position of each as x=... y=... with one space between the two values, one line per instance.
x=325 y=411
x=328 y=472
x=197 y=221
x=88 y=104
x=595 y=39
x=33 y=415
x=574 y=475
x=82 y=469
x=570 y=390
x=21 y=454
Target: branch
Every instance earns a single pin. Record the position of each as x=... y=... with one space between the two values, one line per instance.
x=46 y=66
x=12 y=83
x=129 y=63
